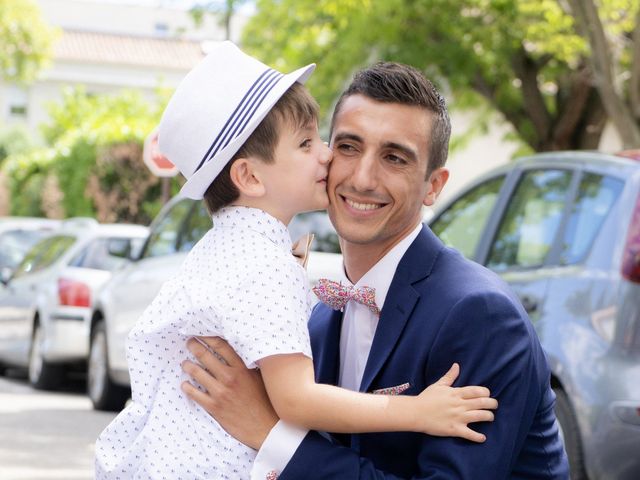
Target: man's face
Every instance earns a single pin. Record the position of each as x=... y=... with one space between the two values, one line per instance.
x=377 y=183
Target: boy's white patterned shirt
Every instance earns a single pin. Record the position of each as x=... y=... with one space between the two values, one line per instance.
x=239 y=282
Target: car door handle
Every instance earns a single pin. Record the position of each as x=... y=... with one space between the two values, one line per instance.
x=530 y=304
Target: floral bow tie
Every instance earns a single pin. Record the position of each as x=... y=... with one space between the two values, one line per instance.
x=337 y=295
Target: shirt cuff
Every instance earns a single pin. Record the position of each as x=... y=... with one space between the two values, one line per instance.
x=277 y=450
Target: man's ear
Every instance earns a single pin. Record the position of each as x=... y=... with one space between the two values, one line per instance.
x=246 y=177
x=436 y=183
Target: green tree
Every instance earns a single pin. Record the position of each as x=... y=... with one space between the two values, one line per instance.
x=222 y=9
x=95 y=154
x=26 y=41
x=527 y=59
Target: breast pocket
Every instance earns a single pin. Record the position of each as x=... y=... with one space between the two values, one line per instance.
x=395 y=390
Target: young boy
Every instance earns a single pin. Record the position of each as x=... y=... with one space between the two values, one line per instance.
x=246 y=138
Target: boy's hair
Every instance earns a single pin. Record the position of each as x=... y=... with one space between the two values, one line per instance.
x=391 y=82
x=296 y=108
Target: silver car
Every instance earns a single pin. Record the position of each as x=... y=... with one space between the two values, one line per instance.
x=17 y=236
x=121 y=302
x=45 y=303
x=563 y=229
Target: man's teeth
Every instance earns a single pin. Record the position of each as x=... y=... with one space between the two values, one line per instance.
x=362 y=206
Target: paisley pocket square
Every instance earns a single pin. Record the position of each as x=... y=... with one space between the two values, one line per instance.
x=397 y=390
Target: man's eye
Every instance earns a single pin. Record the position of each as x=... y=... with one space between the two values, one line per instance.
x=396 y=159
x=306 y=143
x=345 y=147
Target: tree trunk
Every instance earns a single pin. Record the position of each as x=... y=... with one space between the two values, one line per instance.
x=586 y=14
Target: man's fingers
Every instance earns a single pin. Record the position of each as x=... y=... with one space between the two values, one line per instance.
x=200 y=375
x=206 y=358
x=197 y=396
x=450 y=377
x=223 y=349
x=209 y=360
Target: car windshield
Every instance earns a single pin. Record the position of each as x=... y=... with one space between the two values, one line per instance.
x=14 y=244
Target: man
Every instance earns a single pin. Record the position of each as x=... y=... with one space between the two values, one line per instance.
x=389 y=135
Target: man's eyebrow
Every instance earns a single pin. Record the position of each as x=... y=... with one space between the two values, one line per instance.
x=347 y=136
x=409 y=152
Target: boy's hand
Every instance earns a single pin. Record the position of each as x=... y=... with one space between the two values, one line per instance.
x=453 y=408
x=235 y=396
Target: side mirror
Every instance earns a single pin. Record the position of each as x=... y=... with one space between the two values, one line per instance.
x=135 y=250
x=5 y=275
x=128 y=249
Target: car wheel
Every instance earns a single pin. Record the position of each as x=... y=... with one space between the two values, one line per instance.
x=570 y=434
x=42 y=374
x=103 y=392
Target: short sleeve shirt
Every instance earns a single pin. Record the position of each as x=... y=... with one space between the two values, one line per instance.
x=239 y=282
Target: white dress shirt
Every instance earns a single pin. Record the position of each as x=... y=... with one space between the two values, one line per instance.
x=358 y=329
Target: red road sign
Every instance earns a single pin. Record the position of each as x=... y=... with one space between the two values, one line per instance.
x=159 y=165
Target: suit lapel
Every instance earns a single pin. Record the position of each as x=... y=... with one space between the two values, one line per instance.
x=415 y=265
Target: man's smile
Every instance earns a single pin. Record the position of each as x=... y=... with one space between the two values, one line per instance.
x=362 y=206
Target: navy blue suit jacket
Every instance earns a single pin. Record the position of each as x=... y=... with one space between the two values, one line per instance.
x=441 y=309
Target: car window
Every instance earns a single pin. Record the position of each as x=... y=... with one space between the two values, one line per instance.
x=44 y=254
x=97 y=254
x=461 y=225
x=14 y=244
x=164 y=237
x=596 y=195
x=318 y=223
x=198 y=223
x=531 y=221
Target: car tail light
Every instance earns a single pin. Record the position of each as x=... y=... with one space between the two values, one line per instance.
x=73 y=293
x=631 y=258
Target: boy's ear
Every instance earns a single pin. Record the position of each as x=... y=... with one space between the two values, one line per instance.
x=246 y=177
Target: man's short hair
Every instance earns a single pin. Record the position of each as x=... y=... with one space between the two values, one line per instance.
x=296 y=108
x=391 y=82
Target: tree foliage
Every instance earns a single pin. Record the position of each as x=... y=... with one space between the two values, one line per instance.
x=26 y=41
x=530 y=60
x=95 y=155
x=222 y=9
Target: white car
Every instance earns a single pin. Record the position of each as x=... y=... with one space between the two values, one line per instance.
x=17 y=236
x=45 y=305
x=122 y=301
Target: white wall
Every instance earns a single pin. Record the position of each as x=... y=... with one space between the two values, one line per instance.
x=96 y=76
x=132 y=19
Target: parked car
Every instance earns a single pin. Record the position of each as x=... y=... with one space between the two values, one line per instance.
x=123 y=299
x=17 y=236
x=563 y=229
x=45 y=304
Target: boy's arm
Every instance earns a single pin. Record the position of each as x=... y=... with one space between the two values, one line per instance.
x=439 y=410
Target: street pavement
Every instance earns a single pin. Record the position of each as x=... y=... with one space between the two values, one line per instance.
x=47 y=435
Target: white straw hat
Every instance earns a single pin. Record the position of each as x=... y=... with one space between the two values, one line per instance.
x=215 y=109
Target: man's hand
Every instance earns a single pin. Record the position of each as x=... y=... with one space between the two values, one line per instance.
x=235 y=396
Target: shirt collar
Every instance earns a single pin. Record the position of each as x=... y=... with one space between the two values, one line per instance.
x=259 y=221
x=381 y=274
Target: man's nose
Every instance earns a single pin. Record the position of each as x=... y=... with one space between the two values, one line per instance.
x=365 y=173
